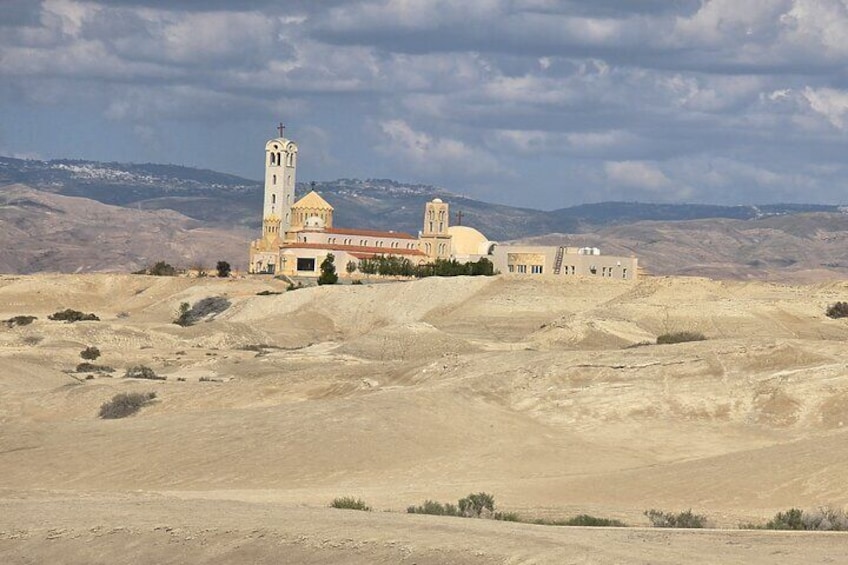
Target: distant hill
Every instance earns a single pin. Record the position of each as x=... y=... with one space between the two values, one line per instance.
x=89 y=216
x=41 y=231
x=230 y=201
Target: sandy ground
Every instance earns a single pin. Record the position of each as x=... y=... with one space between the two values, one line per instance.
x=528 y=389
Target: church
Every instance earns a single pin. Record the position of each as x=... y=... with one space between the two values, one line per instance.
x=298 y=235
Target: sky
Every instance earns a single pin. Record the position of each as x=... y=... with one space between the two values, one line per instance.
x=536 y=103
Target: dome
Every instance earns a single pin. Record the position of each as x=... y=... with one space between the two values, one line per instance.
x=313 y=223
x=468 y=241
x=437 y=200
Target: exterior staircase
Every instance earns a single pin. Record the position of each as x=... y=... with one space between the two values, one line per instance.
x=558 y=260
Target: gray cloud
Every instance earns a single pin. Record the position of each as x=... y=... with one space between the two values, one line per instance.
x=667 y=100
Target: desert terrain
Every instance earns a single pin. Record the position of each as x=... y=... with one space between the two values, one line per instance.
x=545 y=393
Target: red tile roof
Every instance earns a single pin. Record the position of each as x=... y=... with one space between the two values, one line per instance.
x=354 y=249
x=370 y=233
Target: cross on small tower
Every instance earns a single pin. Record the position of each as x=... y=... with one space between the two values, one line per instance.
x=459 y=216
x=281 y=128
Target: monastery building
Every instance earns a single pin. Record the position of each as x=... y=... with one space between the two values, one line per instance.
x=297 y=236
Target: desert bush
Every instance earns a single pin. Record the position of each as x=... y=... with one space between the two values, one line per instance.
x=19 y=321
x=92 y=368
x=267 y=293
x=32 y=339
x=593 y=521
x=680 y=337
x=506 y=516
x=475 y=504
x=90 y=353
x=350 y=503
x=434 y=508
x=206 y=307
x=125 y=404
x=685 y=519
x=142 y=372
x=838 y=310
x=824 y=519
x=356 y=281
x=69 y=315
x=160 y=269
x=223 y=269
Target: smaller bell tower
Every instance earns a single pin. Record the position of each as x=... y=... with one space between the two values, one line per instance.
x=435 y=239
x=280 y=169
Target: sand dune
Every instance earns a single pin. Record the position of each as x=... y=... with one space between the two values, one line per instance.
x=533 y=390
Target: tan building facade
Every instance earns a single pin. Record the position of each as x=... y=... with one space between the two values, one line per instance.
x=563 y=261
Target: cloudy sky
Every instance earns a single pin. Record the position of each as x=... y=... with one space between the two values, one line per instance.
x=541 y=103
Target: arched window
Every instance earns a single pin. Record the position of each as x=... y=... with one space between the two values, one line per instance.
x=274 y=179
x=273 y=199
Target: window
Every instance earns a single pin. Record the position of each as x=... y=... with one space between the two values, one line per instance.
x=273 y=199
x=512 y=268
x=624 y=273
x=536 y=269
x=522 y=268
x=306 y=264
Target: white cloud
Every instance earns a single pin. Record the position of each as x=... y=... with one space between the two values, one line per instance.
x=830 y=103
x=435 y=155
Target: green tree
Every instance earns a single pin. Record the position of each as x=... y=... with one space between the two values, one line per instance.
x=351 y=267
x=223 y=269
x=328 y=270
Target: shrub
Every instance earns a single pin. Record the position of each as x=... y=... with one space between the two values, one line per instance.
x=838 y=310
x=267 y=293
x=19 y=321
x=350 y=503
x=71 y=316
x=32 y=339
x=592 y=521
x=161 y=269
x=434 y=508
x=350 y=267
x=824 y=519
x=680 y=337
x=475 y=504
x=356 y=281
x=142 y=372
x=223 y=269
x=584 y=520
x=125 y=404
x=685 y=519
x=206 y=307
x=90 y=353
x=92 y=368
x=506 y=516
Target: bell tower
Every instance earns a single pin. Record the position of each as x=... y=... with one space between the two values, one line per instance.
x=435 y=239
x=280 y=167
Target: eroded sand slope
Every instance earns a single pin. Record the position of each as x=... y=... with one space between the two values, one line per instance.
x=528 y=389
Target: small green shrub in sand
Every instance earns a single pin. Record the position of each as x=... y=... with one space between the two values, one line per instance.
x=680 y=337
x=90 y=353
x=838 y=310
x=142 y=372
x=350 y=503
x=206 y=307
x=125 y=404
x=69 y=315
x=19 y=321
x=685 y=519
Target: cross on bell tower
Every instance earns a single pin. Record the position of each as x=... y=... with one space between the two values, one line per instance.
x=281 y=128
